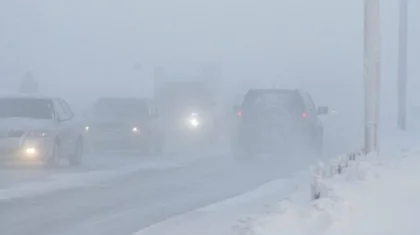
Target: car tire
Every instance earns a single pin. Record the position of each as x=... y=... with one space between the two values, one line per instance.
x=76 y=158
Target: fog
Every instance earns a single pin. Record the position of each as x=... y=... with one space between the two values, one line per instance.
x=68 y=182
x=85 y=49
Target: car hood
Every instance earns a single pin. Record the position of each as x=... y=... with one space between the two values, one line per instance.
x=25 y=124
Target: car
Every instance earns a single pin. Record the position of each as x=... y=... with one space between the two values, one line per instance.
x=189 y=113
x=39 y=129
x=278 y=121
x=133 y=123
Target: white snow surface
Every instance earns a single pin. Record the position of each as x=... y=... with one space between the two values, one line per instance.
x=226 y=217
x=53 y=182
x=376 y=195
x=73 y=180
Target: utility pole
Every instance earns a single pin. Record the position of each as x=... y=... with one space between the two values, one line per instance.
x=372 y=54
x=402 y=67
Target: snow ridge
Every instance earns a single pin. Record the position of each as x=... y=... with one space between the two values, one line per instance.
x=372 y=195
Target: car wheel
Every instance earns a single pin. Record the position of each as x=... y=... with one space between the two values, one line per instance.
x=76 y=158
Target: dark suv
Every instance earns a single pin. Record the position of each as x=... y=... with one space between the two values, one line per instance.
x=278 y=121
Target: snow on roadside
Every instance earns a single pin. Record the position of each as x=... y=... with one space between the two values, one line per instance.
x=375 y=195
x=225 y=217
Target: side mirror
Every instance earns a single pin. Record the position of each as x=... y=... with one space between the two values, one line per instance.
x=323 y=110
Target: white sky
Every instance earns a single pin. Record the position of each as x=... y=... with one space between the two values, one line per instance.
x=88 y=47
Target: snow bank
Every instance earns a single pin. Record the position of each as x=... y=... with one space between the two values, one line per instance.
x=373 y=195
x=226 y=217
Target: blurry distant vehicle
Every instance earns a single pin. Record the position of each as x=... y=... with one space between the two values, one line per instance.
x=124 y=123
x=188 y=113
x=278 y=121
x=39 y=129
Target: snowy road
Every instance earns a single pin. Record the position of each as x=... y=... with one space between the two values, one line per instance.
x=135 y=193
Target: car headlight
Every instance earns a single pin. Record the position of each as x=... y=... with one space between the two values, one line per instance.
x=31 y=151
x=194 y=122
x=135 y=129
x=87 y=128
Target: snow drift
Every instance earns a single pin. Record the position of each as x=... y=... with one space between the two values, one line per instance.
x=373 y=195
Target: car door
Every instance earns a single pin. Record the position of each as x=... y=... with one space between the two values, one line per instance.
x=60 y=130
x=73 y=129
x=64 y=134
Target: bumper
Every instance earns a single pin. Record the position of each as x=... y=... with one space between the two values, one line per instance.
x=27 y=150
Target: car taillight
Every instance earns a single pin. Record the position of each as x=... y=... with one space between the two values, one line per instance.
x=239 y=113
x=304 y=115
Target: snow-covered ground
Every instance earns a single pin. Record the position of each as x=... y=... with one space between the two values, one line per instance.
x=225 y=217
x=19 y=181
x=176 y=193
x=376 y=195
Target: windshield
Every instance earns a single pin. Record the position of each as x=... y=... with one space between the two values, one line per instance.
x=263 y=100
x=26 y=108
x=121 y=109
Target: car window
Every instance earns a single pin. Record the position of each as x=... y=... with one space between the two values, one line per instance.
x=311 y=102
x=258 y=100
x=308 y=102
x=26 y=108
x=121 y=108
x=59 y=111
x=69 y=114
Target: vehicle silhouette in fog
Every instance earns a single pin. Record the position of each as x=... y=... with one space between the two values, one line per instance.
x=122 y=123
x=278 y=121
x=38 y=129
x=188 y=111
